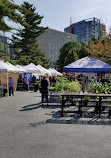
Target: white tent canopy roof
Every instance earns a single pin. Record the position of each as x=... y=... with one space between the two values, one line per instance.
x=3 y=67
x=31 y=68
x=21 y=69
x=12 y=67
x=7 y=67
x=54 y=72
x=44 y=70
x=58 y=73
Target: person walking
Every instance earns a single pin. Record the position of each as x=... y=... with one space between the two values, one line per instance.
x=11 y=85
x=44 y=89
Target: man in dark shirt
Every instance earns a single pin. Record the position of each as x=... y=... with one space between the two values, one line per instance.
x=44 y=89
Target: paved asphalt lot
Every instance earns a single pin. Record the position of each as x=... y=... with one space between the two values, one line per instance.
x=29 y=130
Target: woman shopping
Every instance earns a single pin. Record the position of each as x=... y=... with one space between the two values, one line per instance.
x=44 y=89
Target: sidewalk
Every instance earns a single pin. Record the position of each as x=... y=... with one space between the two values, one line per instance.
x=30 y=130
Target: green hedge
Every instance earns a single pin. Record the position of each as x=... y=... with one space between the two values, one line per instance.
x=99 y=88
x=63 y=84
x=52 y=88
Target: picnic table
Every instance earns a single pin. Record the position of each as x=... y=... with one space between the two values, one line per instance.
x=54 y=96
x=98 y=99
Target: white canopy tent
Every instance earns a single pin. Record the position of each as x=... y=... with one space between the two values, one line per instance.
x=54 y=72
x=44 y=70
x=31 y=68
x=12 y=67
x=3 y=67
x=58 y=73
x=21 y=69
x=7 y=69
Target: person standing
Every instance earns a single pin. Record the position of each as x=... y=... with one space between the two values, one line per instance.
x=11 y=85
x=44 y=89
x=53 y=81
x=83 y=82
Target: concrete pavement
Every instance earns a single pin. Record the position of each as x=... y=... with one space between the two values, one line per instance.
x=29 y=130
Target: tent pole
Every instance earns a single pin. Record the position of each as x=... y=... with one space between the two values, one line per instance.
x=7 y=86
x=28 y=86
x=27 y=81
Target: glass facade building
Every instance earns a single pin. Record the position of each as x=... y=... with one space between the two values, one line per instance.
x=52 y=40
x=5 y=45
x=85 y=28
x=3 y=42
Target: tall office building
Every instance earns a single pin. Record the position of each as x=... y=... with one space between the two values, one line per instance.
x=85 y=28
x=4 y=44
x=52 y=40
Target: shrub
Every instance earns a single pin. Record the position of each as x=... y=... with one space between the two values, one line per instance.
x=52 y=88
x=99 y=88
x=59 y=86
x=67 y=87
x=62 y=79
x=63 y=84
x=86 y=98
x=75 y=87
x=91 y=87
x=60 y=83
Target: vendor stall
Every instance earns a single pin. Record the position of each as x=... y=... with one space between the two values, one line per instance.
x=7 y=70
x=87 y=65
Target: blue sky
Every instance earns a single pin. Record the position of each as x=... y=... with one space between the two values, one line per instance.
x=57 y=13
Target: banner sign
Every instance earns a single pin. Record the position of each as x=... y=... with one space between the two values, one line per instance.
x=27 y=78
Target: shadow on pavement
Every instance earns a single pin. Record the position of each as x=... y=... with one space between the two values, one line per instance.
x=69 y=118
x=87 y=119
x=39 y=105
x=31 y=107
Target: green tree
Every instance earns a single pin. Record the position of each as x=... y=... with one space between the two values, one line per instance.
x=94 y=39
x=8 y=9
x=100 y=34
x=3 y=55
x=83 y=53
x=68 y=54
x=101 y=49
x=25 y=41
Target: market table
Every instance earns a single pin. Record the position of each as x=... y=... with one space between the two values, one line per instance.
x=2 y=90
x=80 y=98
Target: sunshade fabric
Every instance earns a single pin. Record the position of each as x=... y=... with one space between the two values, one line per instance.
x=31 y=68
x=54 y=72
x=87 y=64
x=57 y=72
x=7 y=67
x=20 y=68
x=44 y=70
x=12 y=67
x=3 y=68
